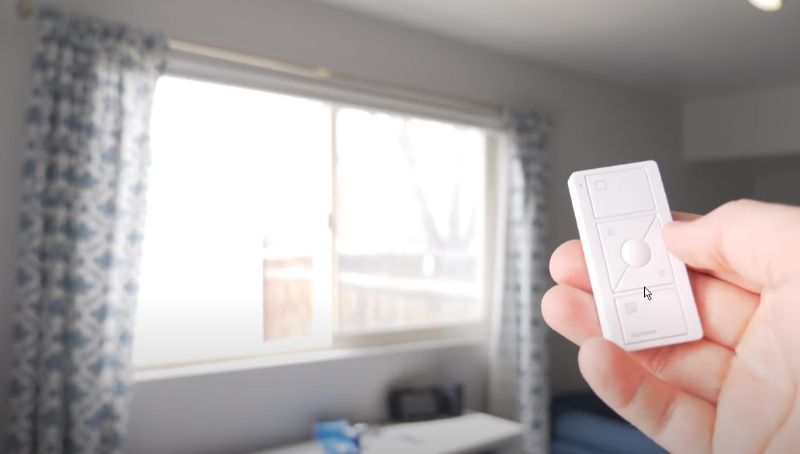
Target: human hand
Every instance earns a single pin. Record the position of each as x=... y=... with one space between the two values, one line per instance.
x=735 y=390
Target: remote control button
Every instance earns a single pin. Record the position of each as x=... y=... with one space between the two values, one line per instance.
x=645 y=319
x=658 y=271
x=613 y=235
x=621 y=192
x=635 y=252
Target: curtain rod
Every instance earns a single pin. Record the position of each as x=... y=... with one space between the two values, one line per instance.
x=27 y=9
x=322 y=73
x=249 y=60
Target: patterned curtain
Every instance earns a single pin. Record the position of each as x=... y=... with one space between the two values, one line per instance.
x=519 y=355
x=80 y=230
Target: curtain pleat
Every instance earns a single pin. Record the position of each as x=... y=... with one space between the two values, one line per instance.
x=519 y=355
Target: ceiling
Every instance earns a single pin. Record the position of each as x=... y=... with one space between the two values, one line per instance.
x=689 y=47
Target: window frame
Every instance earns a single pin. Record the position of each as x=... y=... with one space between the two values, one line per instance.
x=338 y=97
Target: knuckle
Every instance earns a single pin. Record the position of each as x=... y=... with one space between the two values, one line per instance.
x=552 y=264
x=558 y=259
x=550 y=296
x=660 y=361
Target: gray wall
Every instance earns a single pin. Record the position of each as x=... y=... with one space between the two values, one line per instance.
x=777 y=179
x=595 y=124
x=752 y=123
x=15 y=42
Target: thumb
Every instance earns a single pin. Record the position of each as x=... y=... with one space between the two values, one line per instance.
x=751 y=244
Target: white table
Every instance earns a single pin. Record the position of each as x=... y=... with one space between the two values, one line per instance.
x=471 y=432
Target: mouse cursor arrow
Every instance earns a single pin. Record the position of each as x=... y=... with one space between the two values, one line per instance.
x=648 y=294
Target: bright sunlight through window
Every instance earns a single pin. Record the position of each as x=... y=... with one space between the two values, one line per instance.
x=278 y=223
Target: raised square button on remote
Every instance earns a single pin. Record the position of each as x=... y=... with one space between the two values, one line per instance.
x=612 y=193
x=647 y=319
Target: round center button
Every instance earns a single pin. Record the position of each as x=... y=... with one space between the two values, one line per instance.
x=635 y=253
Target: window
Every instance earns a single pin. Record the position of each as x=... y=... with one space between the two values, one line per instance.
x=409 y=233
x=279 y=223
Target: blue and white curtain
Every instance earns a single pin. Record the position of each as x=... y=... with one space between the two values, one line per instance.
x=519 y=352
x=80 y=231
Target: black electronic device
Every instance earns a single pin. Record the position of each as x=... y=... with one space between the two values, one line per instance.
x=415 y=404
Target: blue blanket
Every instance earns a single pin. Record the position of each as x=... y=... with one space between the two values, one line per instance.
x=582 y=424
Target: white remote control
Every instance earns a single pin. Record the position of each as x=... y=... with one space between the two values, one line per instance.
x=642 y=292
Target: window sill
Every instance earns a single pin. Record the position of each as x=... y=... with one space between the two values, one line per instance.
x=290 y=359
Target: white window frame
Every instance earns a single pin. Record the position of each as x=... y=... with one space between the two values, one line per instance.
x=337 y=97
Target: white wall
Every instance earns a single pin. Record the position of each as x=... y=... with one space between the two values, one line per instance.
x=595 y=124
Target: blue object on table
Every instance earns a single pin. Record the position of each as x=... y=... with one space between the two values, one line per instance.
x=338 y=436
x=583 y=424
